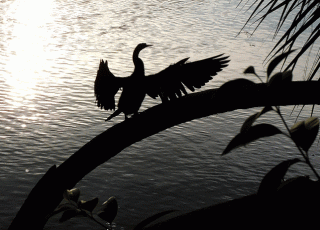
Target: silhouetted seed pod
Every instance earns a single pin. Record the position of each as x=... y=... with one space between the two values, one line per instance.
x=72 y=195
x=109 y=210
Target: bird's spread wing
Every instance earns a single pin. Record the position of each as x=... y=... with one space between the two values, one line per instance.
x=170 y=83
x=106 y=85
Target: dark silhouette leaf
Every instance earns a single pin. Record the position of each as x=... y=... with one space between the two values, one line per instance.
x=252 y=134
x=274 y=177
x=109 y=210
x=275 y=80
x=280 y=79
x=287 y=76
x=88 y=205
x=70 y=214
x=61 y=208
x=304 y=132
x=250 y=120
x=312 y=123
x=250 y=69
x=276 y=61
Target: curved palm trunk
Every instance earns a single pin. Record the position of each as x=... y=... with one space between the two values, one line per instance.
x=238 y=94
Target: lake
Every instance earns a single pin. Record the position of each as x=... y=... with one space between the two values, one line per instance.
x=50 y=52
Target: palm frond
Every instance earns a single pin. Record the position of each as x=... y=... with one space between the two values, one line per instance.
x=306 y=18
x=315 y=67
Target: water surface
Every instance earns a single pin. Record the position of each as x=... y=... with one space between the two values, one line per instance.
x=50 y=52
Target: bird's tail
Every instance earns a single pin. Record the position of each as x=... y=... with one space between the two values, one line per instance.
x=116 y=113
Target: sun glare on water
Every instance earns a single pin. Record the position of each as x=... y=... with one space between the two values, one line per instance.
x=27 y=46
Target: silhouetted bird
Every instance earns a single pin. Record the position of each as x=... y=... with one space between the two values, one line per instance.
x=167 y=84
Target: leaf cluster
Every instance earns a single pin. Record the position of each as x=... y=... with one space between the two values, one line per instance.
x=74 y=207
x=302 y=133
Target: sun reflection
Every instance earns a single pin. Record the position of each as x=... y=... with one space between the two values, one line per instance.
x=27 y=46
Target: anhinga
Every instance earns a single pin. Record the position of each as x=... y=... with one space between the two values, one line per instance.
x=167 y=84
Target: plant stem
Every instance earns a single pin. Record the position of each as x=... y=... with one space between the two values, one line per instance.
x=259 y=77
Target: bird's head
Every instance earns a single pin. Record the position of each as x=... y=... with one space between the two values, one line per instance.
x=140 y=47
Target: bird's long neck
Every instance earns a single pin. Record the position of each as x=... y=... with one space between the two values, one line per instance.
x=138 y=64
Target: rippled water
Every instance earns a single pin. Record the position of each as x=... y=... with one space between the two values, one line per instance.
x=50 y=51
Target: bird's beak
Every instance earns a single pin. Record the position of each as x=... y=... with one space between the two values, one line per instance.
x=148 y=45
